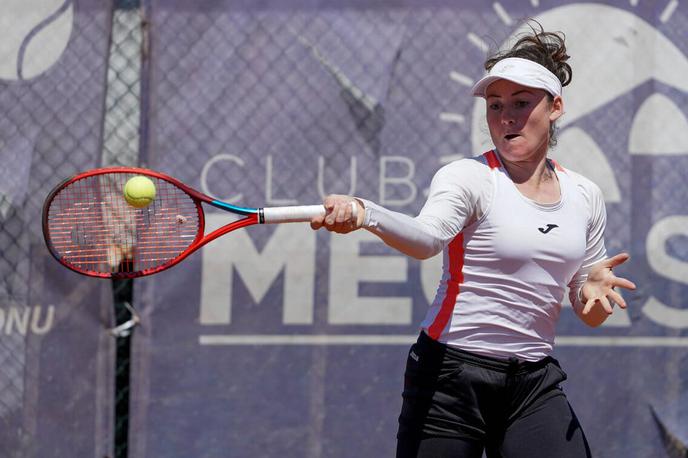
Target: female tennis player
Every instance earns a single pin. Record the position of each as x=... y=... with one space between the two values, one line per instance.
x=516 y=229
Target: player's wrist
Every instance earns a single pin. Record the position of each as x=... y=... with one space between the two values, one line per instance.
x=360 y=212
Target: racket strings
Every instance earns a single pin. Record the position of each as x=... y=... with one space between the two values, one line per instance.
x=94 y=229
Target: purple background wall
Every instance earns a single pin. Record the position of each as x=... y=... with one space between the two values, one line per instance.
x=284 y=342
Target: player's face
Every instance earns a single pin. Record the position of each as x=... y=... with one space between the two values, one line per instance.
x=519 y=118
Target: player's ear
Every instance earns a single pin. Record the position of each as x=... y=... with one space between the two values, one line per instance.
x=556 y=108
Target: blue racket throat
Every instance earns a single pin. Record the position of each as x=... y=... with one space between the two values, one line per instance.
x=240 y=210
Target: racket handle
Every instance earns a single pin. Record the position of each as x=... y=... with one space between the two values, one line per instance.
x=297 y=214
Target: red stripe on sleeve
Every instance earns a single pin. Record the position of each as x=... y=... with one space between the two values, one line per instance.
x=456 y=258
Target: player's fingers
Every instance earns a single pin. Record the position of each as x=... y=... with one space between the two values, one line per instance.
x=339 y=217
x=606 y=305
x=329 y=203
x=616 y=297
x=360 y=213
x=624 y=283
x=617 y=260
x=588 y=306
x=350 y=222
x=332 y=221
x=343 y=212
x=347 y=217
x=350 y=213
x=316 y=223
x=331 y=216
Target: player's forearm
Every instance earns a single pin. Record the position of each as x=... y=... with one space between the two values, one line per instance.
x=402 y=232
x=420 y=247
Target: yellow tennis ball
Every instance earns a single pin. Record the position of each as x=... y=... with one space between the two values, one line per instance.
x=139 y=191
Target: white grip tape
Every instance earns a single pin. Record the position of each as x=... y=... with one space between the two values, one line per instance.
x=297 y=214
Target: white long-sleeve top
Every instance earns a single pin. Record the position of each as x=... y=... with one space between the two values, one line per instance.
x=507 y=258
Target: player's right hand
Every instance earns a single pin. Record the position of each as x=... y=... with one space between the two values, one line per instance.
x=600 y=284
x=343 y=214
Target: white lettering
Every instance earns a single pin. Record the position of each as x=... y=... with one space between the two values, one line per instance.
x=658 y=258
x=22 y=319
x=348 y=269
x=204 y=176
x=36 y=328
x=18 y=318
x=668 y=267
x=388 y=186
x=291 y=250
x=666 y=315
x=268 y=187
x=403 y=180
x=321 y=177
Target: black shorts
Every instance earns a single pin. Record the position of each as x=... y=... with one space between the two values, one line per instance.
x=457 y=404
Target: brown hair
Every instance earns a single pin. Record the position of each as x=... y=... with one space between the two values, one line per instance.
x=545 y=48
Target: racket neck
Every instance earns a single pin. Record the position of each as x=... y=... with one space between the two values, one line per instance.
x=246 y=211
x=250 y=220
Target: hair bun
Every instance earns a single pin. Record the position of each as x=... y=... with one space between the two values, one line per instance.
x=546 y=48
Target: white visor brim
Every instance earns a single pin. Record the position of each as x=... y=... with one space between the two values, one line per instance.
x=520 y=71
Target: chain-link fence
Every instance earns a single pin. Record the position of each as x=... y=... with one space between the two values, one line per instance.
x=121 y=146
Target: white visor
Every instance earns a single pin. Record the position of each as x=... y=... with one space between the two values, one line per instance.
x=521 y=71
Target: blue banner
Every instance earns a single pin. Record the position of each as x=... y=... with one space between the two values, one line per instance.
x=281 y=341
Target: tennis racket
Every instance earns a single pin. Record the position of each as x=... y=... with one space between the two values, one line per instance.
x=90 y=228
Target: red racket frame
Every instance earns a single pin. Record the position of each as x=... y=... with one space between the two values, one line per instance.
x=251 y=216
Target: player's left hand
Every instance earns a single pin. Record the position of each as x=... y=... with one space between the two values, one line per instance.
x=599 y=287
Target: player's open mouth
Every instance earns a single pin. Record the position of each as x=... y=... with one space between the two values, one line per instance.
x=511 y=136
